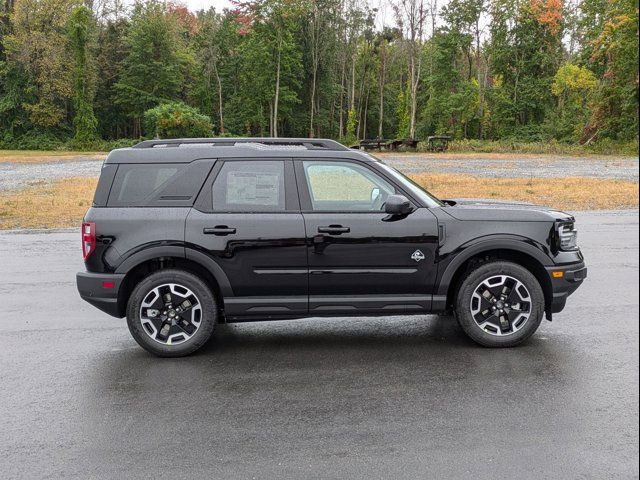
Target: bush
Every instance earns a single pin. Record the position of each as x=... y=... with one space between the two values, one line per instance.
x=176 y=120
x=32 y=140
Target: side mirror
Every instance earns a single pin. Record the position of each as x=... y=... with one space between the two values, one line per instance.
x=397 y=205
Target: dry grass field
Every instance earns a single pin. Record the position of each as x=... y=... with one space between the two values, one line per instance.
x=44 y=156
x=571 y=193
x=47 y=205
x=64 y=202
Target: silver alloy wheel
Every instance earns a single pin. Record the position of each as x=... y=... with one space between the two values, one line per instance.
x=170 y=314
x=501 y=305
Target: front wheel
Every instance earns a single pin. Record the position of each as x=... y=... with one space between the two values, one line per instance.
x=500 y=304
x=171 y=313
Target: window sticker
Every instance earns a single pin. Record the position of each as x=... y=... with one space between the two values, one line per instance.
x=252 y=188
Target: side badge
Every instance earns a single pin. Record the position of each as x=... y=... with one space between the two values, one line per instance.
x=417 y=256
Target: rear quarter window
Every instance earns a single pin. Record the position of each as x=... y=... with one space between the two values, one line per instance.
x=157 y=185
x=136 y=183
x=101 y=195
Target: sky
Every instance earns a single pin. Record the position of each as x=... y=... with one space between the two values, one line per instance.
x=205 y=4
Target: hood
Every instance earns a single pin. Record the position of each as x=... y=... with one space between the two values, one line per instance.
x=502 y=210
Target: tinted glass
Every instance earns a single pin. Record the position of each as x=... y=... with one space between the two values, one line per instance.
x=252 y=186
x=135 y=183
x=345 y=187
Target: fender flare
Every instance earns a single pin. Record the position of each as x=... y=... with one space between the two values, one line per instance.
x=178 y=251
x=520 y=245
x=213 y=268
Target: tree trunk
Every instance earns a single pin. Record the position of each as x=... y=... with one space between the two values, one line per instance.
x=270 y=119
x=383 y=66
x=352 y=100
x=220 y=107
x=277 y=96
x=341 y=106
x=314 y=61
x=481 y=84
x=364 y=118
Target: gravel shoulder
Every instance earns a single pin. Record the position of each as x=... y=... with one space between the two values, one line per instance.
x=515 y=166
x=20 y=175
x=15 y=175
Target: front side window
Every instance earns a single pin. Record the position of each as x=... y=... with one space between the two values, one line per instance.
x=251 y=186
x=345 y=187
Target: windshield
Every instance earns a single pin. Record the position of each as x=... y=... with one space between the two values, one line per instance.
x=425 y=197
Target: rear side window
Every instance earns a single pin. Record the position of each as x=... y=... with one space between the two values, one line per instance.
x=135 y=183
x=252 y=186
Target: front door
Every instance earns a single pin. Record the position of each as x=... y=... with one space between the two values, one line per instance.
x=359 y=258
x=247 y=219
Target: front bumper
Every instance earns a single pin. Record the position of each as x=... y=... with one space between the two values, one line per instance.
x=562 y=286
x=101 y=290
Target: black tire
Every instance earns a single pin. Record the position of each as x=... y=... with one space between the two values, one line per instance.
x=208 y=312
x=473 y=280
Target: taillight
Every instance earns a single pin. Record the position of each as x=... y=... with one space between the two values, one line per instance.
x=88 y=239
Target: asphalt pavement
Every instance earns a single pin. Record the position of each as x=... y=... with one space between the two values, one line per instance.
x=369 y=398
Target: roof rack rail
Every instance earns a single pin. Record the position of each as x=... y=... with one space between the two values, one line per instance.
x=309 y=143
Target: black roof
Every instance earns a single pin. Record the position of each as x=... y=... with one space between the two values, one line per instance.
x=185 y=150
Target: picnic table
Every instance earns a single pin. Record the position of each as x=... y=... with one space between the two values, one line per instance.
x=438 y=143
x=386 y=144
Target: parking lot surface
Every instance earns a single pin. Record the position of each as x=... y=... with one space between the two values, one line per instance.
x=400 y=397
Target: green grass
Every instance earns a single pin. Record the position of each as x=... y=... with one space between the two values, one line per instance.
x=603 y=147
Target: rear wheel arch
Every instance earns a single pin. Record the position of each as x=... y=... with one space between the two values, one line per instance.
x=531 y=263
x=143 y=269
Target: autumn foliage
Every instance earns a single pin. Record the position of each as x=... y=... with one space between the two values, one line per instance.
x=548 y=13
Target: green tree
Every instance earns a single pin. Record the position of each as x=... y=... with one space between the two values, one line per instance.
x=573 y=86
x=615 y=109
x=272 y=63
x=111 y=53
x=155 y=66
x=175 y=120
x=526 y=51
x=80 y=31
x=38 y=82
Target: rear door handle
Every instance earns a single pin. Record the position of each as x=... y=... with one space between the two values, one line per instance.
x=220 y=230
x=334 y=229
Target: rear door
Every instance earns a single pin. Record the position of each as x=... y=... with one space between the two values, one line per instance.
x=361 y=259
x=248 y=220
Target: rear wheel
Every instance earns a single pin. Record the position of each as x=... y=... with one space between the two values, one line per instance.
x=500 y=304
x=171 y=313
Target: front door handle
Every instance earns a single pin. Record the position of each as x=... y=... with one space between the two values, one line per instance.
x=334 y=229
x=220 y=230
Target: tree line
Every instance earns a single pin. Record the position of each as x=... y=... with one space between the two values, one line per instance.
x=532 y=70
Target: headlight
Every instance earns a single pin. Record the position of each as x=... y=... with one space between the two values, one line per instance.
x=567 y=236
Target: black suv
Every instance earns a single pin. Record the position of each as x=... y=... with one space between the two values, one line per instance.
x=184 y=234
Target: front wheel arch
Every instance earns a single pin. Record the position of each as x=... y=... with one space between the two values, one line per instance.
x=530 y=263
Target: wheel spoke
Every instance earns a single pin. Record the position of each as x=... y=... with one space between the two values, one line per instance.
x=186 y=326
x=500 y=305
x=170 y=314
x=163 y=332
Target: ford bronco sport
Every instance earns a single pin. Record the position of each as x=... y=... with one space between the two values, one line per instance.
x=186 y=233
